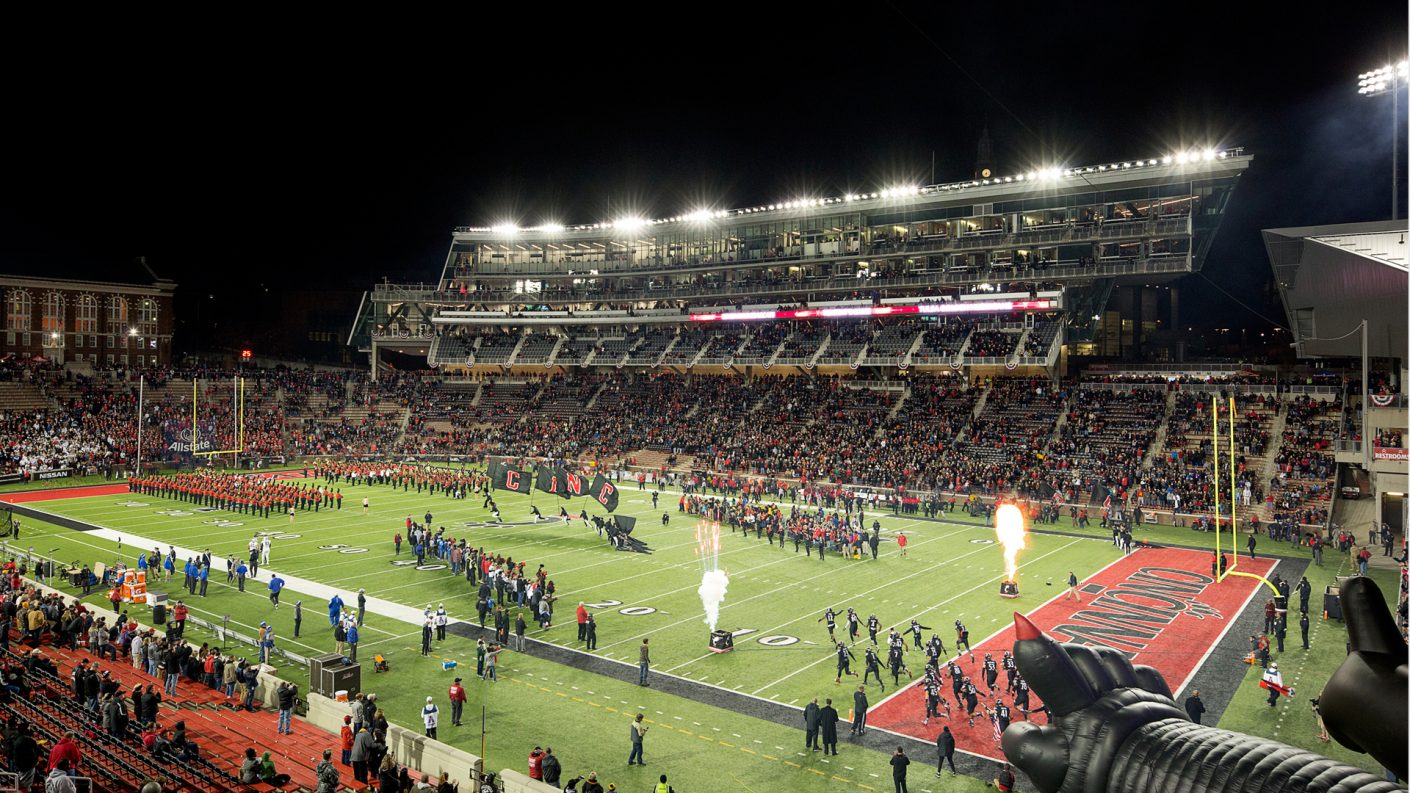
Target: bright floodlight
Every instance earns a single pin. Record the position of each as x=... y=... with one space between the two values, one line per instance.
x=1383 y=79
x=504 y=228
x=700 y=215
x=629 y=223
x=552 y=228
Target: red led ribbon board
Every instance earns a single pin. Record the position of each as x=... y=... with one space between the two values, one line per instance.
x=973 y=307
x=1160 y=606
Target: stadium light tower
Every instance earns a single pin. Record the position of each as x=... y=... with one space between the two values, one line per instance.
x=1389 y=80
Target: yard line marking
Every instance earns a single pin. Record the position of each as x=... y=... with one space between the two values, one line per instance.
x=922 y=571
x=905 y=619
x=766 y=593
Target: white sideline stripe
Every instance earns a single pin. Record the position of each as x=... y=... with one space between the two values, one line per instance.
x=395 y=611
x=307 y=586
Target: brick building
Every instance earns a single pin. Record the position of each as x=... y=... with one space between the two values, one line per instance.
x=126 y=318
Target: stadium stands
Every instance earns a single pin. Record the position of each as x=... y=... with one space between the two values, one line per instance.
x=1139 y=437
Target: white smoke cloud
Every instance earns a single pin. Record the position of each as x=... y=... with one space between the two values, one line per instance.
x=712 y=593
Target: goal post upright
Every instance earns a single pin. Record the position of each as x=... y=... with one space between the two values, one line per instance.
x=238 y=413
x=1220 y=575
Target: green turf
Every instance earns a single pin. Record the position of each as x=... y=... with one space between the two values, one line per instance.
x=1292 y=720
x=773 y=592
x=582 y=554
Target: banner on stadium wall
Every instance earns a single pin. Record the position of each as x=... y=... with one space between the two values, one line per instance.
x=179 y=440
x=1391 y=454
x=59 y=474
x=6 y=479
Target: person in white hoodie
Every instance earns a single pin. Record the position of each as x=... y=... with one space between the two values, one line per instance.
x=430 y=715
x=59 y=780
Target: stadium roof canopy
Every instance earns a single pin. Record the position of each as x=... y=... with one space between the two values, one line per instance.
x=1332 y=277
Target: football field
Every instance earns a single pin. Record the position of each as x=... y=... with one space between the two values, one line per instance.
x=774 y=604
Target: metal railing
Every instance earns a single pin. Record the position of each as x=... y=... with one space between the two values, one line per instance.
x=618 y=264
x=1107 y=268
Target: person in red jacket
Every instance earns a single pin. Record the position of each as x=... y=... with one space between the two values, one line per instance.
x=536 y=764
x=582 y=622
x=457 y=702
x=346 y=740
x=66 y=749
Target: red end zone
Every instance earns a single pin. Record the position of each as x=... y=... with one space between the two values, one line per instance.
x=1160 y=606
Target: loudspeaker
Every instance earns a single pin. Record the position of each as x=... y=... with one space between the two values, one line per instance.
x=159 y=614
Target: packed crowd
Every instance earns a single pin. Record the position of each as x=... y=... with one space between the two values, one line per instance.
x=808 y=429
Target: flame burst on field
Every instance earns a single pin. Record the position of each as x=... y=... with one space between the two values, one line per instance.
x=713 y=581
x=1008 y=524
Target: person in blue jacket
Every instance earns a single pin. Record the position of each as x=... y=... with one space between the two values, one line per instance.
x=335 y=610
x=352 y=642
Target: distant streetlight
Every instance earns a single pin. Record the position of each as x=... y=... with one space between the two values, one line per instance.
x=1388 y=80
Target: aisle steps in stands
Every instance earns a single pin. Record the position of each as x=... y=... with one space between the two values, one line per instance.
x=822 y=348
x=519 y=345
x=700 y=353
x=592 y=401
x=1018 y=346
x=553 y=353
x=1275 y=441
x=861 y=355
x=746 y=337
x=979 y=405
x=667 y=351
x=964 y=347
x=22 y=396
x=479 y=392
x=777 y=351
x=1058 y=425
x=1157 y=449
x=914 y=348
x=896 y=408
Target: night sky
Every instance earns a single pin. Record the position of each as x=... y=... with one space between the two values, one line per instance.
x=241 y=158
